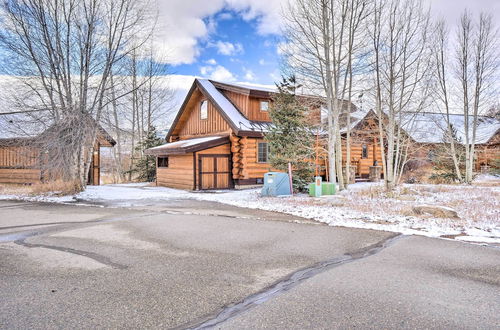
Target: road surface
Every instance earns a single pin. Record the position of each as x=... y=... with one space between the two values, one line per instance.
x=203 y=265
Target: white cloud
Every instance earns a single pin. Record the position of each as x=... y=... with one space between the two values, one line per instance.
x=228 y=48
x=181 y=27
x=183 y=24
x=267 y=13
x=249 y=75
x=211 y=61
x=262 y=62
x=224 y=16
x=220 y=73
x=204 y=70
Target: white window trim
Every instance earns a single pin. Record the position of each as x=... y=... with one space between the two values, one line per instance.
x=201 y=110
x=260 y=105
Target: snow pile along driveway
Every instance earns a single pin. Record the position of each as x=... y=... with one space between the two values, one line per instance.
x=364 y=205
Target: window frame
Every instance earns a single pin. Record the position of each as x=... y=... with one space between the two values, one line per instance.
x=163 y=164
x=364 y=151
x=431 y=155
x=204 y=112
x=268 y=149
x=260 y=105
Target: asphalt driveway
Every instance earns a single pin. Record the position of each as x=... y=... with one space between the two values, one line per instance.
x=195 y=264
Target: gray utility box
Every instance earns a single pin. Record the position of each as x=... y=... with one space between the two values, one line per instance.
x=276 y=184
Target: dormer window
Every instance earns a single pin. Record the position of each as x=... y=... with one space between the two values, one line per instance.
x=264 y=105
x=204 y=109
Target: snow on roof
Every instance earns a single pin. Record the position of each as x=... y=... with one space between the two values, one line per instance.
x=30 y=124
x=426 y=127
x=231 y=112
x=187 y=146
x=186 y=143
x=24 y=124
x=256 y=87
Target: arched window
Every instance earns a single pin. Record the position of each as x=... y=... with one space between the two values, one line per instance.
x=204 y=109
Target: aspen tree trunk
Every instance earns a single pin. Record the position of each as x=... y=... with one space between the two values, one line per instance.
x=441 y=69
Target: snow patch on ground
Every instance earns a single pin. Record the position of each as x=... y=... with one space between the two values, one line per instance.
x=364 y=205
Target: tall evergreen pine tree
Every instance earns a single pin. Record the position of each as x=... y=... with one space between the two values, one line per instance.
x=145 y=166
x=291 y=139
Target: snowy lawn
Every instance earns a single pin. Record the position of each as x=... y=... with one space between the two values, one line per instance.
x=364 y=205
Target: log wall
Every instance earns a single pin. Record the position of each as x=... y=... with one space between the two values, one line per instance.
x=245 y=164
x=20 y=176
x=182 y=169
x=178 y=174
x=363 y=164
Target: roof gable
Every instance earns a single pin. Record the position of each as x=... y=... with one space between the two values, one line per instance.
x=26 y=125
x=238 y=123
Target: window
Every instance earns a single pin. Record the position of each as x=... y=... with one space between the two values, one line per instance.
x=263 y=152
x=264 y=105
x=364 y=151
x=204 y=109
x=162 y=161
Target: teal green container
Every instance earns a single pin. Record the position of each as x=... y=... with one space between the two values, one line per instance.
x=327 y=188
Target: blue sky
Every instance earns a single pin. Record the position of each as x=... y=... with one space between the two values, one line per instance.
x=237 y=40
x=227 y=40
x=235 y=51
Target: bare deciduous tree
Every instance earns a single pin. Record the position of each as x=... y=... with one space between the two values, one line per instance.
x=477 y=63
x=401 y=64
x=133 y=116
x=322 y=37
x=64 y=53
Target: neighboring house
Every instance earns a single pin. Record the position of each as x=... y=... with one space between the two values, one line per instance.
x=217 y=138
x=426 y=131
x=22 y=162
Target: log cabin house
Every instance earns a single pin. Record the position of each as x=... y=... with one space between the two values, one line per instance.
x=217 y=138
x=22 y=162
x=425 y=132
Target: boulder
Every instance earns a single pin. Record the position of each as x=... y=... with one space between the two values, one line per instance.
x=437 y=211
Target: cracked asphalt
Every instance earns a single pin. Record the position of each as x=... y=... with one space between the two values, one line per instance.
x=188 y=263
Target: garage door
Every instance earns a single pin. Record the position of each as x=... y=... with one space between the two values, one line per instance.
x=214 y=172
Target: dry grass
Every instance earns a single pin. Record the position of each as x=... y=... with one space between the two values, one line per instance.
x=53 y=188
x=14 y=189
x=474 y=204
x=57 y=188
